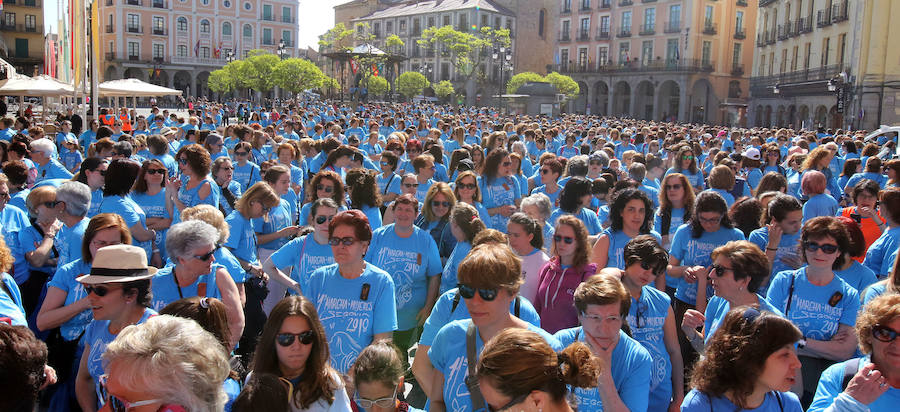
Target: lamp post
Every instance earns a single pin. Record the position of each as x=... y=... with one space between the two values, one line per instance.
x=427 y=70
x=282 y=49
x=229 y=57
x=502 y=57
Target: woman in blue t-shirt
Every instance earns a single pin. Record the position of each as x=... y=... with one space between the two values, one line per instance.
x=686 y=164
x=435 y=218
x=813 y=183
x=325 y=184
x=498 y=188
x=194 y=163
x=363 y=189
x=631 y=214
x=732 y=378
x=242 y=239
x=149 y=193
x=120 y=177
x=306 y=253
x=574 y=199
x=246 y=173
x=276 y=228
x=229 y=191
x=676 y=201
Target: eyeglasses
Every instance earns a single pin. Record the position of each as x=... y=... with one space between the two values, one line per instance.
x=119 y=405
x=469 y=186
x=326 y=189
x=156 y=171
x=719 y=270
x=673 y=187
x=410 y=185
x=100 y=291
x=206 y=256
x=515 y=401
x=322 y=219
x=380 y=402
x=52 y=204
x=287 y=339
x=567 y=239
x=241 y=153
x=436 y=203
x=182 y=161
x=826 y=248
x=710 y=220
x=468 y=292
x=346 y=241
x=884 y=333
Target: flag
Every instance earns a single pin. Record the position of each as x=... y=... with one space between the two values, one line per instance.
x=676 y=56
x=375 y=70
x=218 y=51
x=354 y=66
x=197 y=49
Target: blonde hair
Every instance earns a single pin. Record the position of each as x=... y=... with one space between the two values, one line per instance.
x=260 y=192
x=881 y=310
x=38 y=196
x=434 y=190
x=208 y=214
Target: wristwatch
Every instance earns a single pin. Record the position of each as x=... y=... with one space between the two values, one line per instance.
x=801 y=343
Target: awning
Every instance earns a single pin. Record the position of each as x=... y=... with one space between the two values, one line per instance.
x=134 y=88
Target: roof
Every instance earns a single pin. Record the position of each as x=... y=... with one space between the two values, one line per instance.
x=435 y=6
x=537 y=89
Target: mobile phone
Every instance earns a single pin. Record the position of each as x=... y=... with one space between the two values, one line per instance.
x=856 y=217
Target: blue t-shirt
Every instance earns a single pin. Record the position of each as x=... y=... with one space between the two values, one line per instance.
x=630 y=369
x=155 y=206
x=226 y=259
x=64 y=280
x=11 y=305
x=554 y=197
x=246 y=175
x=166 y=290
x=191 y=197
x=696 y=401
x=352 y=311
x=811 y=308
x=692 y=251
x=448 y=355
x=646 y=318
x=590 y=219
x=303 y=255
x=718 y=307
x=410 y=261
x=617 y=241
x=831 y=385
x=676 y=221
x=443 y=313
x=448 y=276
x=52 y=170
x=12 y=220
x=97 y=337
x=695 y=179
x=857 y=276
x=819 y=205
x=788 y=247
x=96 y=201
x=389 y=184
x=68 y=241
x=131 y=212
x=279 y=218
x=29 y=240
x=235 y=189
x=241 y=237
x=879 y=252
x=500 y=192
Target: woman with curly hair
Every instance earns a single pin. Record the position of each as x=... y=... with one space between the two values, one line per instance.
x=325 y=184
x=750 y=364
x=499 y=189
x=632 y=215
x=363 y=187
x=574 y=199
x=569 y=265
x=435 y=216
x=195 y=163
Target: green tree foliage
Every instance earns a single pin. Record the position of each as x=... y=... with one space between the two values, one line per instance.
x=443 y=89
x=256 y=70
x=394 y=44
x=378 y=86
x=296 y=75
x=410 y=84
x=564 y=84
x=221 y=81
x=467 y=50
x=519 y=79
x=338 y=38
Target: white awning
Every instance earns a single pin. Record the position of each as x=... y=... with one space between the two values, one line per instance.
x=134 y=88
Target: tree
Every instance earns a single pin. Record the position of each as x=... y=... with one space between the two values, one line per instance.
x=467 y=50
x=220 y=81
x=444 y=89
x=564 y=84
x=394 y=44
x=296 y=75
x=378 y=86
x=338 y=38
x=519 y=79
x=410 y=84
x=256 y=70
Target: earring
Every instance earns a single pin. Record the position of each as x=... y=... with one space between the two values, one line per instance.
x=741 y=288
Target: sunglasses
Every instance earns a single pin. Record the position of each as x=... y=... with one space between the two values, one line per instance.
x=719 y=270
x=241 y=153
x=52 y=204
x=100 y=291
x=687 y=157
x=380 y=402
x=567 y=239
x=206 y=256
x=545 y=171
x=119 y=405
x=826 y=248
x=436 y=203
x=515 y=401
x=326 y=189
x=648 y=266
x=4 y=195
x=884 y=333
x=156 y=171
x=411 y=185
x=182 y=161
x=322 y=219
x=468 y=292
x=673 y=187
x=287 y=339
x=346 y=241
x=470 y=186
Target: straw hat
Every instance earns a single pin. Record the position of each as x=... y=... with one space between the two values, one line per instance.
x=117 y=264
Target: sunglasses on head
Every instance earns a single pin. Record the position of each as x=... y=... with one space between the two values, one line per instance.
x=884 y=333
x=826 y=248
x=719 y=270
x=322 y=219
x=468 y=292
x=567 y=239
x=100 y=291
x=470 y=186
x=346 y=241
x=327 y=189
x=287 y=339
x=156 y=171
x=436 y=203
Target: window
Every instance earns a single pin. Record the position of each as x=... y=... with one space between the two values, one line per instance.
x=445 y=71
x=204 y=26
x=647 y=52
x=826 y=50
x=181 y=50
x=267 y=12
x=796 y=58
x=604 y=24
x=739 y=21
x=159 y=25
x=675 y=15
x=227 y=4
x=247 y=6
x=181 y=24
x=708 y=15
x=565 y=29
x=672 y=50
x=205 y=2
x=842 y=46
x=626 y=20
x=623 y=52
x=564 y=57
x=464 y=21
x=582 y=57
x=267 y=36
x=650 y=17
x=30 y=22
x=707 y=51
x=134 y=23
x=286 y=36
x=496 y=22
x=585 y=27
x=226 y=29
x=585 y=4
x=248 y=31
x=762 y=65
x=417 y=26
x=134 y=50
x=159 y=51
x=431 y=22
x=22 y=48
x=783 y=66
x=484 y=20
x=446 y=20
x=402 y=26
x=287 y=15
x=603 y=55
x=806 y=52
x=389 y=27
x=204 y=52
x=736 y=58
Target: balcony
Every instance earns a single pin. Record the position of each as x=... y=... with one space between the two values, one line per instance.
x=605 y=4
x=804 y=25
x=636 y=66
x=288 y=19
x=760 y=40
x=839 y=12
x=585 y=6
x=567 y=9
x=737 y=70
x=624 y=32
x=740 y=33
x=625 y=3
x=134 y=57
x=110 y=56
x=603 y=35
x=160 y=4
x=110 y=2
x=26 y=3
x=110 y=28
x=135 y=29
x=564 y=37
x=648 y=29
x=764 y=3
x=673 y=26
x=199 y=61
x=784 y=31
x=268 y=42
x=584 y=35
x=742 y=3
x=710 y=28
x=160 y=31
x=796 y=83
x=648 y=1
x=267 y=18
x=824 y=18
x=139 y=3
x=707 y=66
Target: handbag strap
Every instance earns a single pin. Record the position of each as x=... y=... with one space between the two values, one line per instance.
x=471 y=381
x=790 y=296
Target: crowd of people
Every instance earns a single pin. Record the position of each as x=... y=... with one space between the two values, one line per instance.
x=310 y=256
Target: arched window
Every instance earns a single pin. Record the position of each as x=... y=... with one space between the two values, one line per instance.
x=182 y=24
x=204 y=26
x=248 y=31
x=226 y=29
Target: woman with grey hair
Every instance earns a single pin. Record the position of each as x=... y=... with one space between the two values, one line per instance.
x=74 y=200
x=538 y=207
x=169 y=362
x=191 y=246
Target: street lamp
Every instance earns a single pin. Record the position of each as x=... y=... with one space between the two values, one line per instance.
x=229 y=57
x=282 y=50
x=426 y=70
x=502 y=56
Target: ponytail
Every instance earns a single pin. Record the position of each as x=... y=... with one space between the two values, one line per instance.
x=579 y=367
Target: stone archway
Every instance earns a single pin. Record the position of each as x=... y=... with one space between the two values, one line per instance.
x=703 y=102
x=803 y=116
x=792 y=116
x=821 y=119
x=779 y=116
x=182 y=81
x=768 y=116
x=580 y=103
x=668 y=100
x=111 y=73
x=759 y=116
x=134 y=73
x=835 y=119
x=202 y=84
x=601 y=98
x=644 y=100
x=622 y=99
